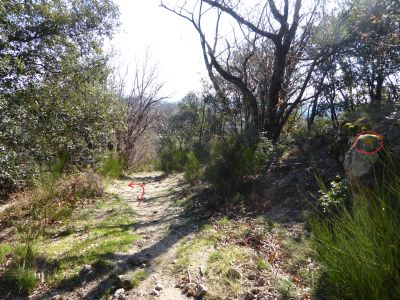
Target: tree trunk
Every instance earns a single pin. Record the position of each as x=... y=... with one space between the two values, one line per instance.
x=271 y=125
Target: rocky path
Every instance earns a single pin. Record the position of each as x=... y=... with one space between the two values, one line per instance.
x=156 y=217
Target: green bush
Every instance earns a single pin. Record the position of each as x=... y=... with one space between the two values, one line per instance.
x=173 y=157
x=234 y=162
x=23 y=279
x=51 y=201
x=298 y=131
x=360 y=248
x=4 y=250
x=192 y=168
x=333 y=199
x=112 y=166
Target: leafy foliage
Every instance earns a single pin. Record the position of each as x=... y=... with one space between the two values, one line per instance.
x=112 y=165
x=335 y=198
x=40 y=39
x=234 y=162
x=192 y=168
x=172 y=157
x=53 y=93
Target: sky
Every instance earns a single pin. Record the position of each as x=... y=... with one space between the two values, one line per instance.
x=172 y=41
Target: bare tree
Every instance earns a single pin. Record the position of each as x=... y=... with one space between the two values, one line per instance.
x=141 y=102
x=273 y=71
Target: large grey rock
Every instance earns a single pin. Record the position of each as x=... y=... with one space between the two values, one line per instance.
x=359 y=166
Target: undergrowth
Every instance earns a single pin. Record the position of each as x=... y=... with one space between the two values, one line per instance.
x=360 y=248
x=38 y=212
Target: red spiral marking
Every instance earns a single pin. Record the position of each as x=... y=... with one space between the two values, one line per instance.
x=132 y=185
x=378 y=136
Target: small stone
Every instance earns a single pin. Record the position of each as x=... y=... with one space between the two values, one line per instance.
x=155 y=293
x=57 y=297
x=190 y=285
x=143 y=266
x=119 y=292
x=230 y=215
x=201 y=290
x=89 y=276
x=247 y=296
x=174 y=226
x=261 y=296
x=255 y=291
x=85 y=269
x=261 y=281
x=191 y=293
x=201 y=271
x=158 y=287
x=252 y=276
x=233 y=273
x=116 y=271
x=124 y=281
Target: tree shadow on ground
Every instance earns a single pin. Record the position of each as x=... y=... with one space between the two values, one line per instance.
x=100 y=282
x=145 y=179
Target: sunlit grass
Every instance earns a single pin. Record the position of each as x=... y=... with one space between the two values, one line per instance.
x=187 y=250
x=97 y=233
x=137 y=277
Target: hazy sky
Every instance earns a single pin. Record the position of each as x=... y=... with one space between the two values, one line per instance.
x=172 y=41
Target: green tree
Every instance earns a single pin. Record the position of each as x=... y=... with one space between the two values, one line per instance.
x=38 y=38
x=53 y=85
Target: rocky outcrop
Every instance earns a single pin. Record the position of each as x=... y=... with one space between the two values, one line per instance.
x=360 y=166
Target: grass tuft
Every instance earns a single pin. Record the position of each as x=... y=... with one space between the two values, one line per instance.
x=137 y=277
x=5 y=249
x=23 y=279
x=262 y=264
x=360 y=249
x=285 y=288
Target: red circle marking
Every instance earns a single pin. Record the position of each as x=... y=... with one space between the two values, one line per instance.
x=378 y=136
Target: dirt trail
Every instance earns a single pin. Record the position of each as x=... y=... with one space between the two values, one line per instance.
x=155 y=217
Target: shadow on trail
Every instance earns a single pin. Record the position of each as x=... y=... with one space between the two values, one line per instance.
x=150 y=253
x=180 y=227
x=145 y=179
x=100 y=282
